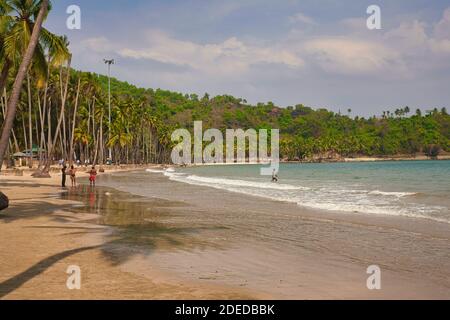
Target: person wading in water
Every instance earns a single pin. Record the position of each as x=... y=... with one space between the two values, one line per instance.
x=274 y=176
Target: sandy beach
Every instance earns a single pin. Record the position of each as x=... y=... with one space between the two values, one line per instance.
x=170 y=240
x=40 y=238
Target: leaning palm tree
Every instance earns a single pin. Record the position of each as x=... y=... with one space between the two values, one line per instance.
x=19 y=42
x=23 y=69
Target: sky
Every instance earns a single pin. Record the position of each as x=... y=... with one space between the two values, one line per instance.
x=317 y=53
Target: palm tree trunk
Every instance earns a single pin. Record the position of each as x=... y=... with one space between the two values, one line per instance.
x=36 y=128
x=5 y=97
x=42 y=113
x=4 y=109
x=64 y=138
x=94 y=133
x=102 y=147
x=52 y=144
x=21 y=74
x=74 y=121
x=49 y=131
x=4 y=115
x=94 y=162
x=62 y=131
x=30 y=121
x=24 y=132
x=4 y=74
x=87 y=149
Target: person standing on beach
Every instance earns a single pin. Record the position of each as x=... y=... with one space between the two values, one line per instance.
x=63 y=177
x=92 y=176
x=73 y=178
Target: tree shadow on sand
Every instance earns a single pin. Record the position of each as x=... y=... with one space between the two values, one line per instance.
x=18 y=280
x=140 y=225
x=13 y=183
x=30 y=210
x=131 y=225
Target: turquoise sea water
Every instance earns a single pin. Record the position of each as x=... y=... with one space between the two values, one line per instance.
x=417 y=189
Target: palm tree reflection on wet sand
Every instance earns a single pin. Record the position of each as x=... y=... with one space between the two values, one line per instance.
x=139 y=224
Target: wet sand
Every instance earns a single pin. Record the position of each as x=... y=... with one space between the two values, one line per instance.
x=43 y=234
x=141 y=236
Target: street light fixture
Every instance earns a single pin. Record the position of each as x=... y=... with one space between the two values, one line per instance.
x=109 y=63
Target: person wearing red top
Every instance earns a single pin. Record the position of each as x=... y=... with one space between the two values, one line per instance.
x=92 y=176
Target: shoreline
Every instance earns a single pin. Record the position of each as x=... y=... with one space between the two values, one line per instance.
x=443 y=157
x=130 y=167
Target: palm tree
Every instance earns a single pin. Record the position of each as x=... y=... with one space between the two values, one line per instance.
x=39 y=12
x=407 y=110
x=120 y=133
x=5 y=25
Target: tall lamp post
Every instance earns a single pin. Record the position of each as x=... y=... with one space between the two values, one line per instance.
x=109 y=63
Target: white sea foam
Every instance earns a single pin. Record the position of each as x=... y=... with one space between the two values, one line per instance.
x=395 y=194
x=222 y=182
x=330 y=198
x=420 y=212
x=154 y=171
x=338 y=190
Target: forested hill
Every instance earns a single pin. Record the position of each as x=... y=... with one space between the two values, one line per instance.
x=304 y=131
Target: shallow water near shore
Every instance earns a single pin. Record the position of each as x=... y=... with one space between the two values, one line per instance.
x=418 y=189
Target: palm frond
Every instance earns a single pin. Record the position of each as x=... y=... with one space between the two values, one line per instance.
x=57 y=47
x=39 y=66
x=12 y=41
x=5 y=8
x=6 y=22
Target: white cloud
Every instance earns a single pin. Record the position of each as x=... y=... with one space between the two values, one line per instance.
x=351 y=56
x=440 y=43
x=408 y=34
x=440 y=46
x=300 y=17
x=442 y=28
x=405 y=51
x=97 y=44
x=412 y=39
x=231 y=56
x=357 y=24
x=397 y=52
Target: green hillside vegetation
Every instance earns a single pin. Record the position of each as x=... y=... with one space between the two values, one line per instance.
x=143 y=120
x=305 y=132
